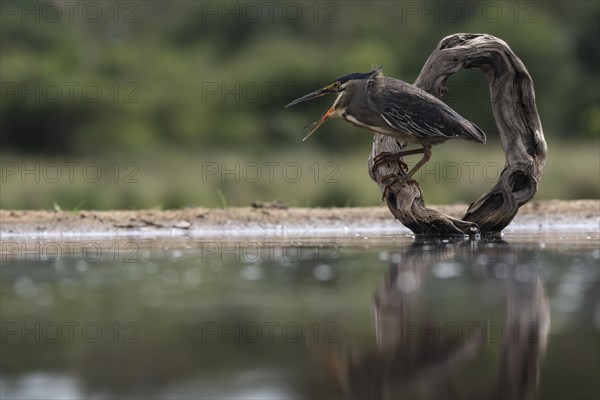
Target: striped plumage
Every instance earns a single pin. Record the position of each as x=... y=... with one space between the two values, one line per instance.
x=395 y=108
x=408 y=109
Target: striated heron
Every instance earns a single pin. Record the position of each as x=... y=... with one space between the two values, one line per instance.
x=394 y=108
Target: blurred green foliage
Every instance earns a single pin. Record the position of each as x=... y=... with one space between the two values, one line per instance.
x=138 y=79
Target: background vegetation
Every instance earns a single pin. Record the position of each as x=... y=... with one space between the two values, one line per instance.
x=155 y=95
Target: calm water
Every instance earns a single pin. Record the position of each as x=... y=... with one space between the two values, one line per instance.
x=379 y=317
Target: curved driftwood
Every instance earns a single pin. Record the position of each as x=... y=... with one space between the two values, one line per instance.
x=518 y=123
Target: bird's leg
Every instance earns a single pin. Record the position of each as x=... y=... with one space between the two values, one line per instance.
x=426 y=156
x=386 y=157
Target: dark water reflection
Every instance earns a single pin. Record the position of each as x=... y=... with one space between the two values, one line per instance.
x=353 y=318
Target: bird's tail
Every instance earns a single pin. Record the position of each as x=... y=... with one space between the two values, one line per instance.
x=473 y=133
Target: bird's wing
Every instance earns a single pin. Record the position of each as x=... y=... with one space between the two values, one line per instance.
x=411 y=110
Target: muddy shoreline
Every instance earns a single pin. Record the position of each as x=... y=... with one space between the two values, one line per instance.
x=274 y=218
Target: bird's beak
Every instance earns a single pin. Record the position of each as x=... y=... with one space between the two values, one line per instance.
x=315 y=125
x=310 y=96
x=317 y=93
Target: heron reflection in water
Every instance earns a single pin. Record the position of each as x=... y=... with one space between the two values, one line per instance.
x=416 y=357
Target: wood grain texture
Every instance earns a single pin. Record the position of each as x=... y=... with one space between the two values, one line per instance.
x=518 y=124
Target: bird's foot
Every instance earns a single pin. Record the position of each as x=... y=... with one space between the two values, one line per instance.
x=396 y=179
x=387 y=157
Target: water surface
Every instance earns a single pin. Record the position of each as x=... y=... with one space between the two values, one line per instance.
x=349 y=317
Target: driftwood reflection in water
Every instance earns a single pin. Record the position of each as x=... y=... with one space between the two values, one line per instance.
x=416 y=357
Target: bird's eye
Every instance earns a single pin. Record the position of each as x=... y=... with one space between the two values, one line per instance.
x=336 y=85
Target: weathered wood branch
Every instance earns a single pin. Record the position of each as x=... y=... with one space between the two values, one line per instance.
x=517 y=120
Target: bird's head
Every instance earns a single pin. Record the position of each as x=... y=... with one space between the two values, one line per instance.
x=341 y=87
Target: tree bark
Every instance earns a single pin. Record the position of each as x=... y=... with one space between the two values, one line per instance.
x=517 y=120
